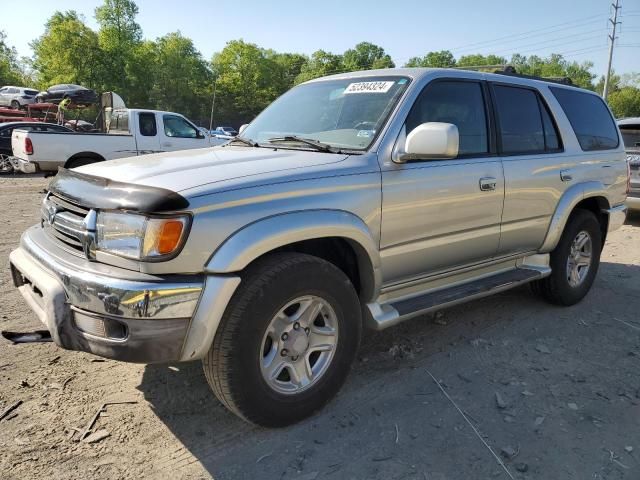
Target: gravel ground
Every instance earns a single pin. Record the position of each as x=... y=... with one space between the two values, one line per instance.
x=554 y=392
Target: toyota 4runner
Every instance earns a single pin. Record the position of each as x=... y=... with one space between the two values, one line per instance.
x=359 y=199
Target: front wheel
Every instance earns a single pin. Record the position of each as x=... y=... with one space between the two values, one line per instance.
x=574 y=262
x=286 y=341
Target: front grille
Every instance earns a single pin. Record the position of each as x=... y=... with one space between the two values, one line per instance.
x=64 y=221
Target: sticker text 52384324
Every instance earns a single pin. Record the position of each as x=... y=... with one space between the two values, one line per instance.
x=368 y=87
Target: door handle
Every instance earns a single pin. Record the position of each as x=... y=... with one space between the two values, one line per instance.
x=488 y=184
x=565 y=175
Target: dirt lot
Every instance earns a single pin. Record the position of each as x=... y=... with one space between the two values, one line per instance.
x=567 y=382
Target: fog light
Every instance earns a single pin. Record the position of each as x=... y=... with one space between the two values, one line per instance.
x=100 y=327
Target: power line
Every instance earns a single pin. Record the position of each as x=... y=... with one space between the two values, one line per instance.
x=553 y=42
x=580 y=22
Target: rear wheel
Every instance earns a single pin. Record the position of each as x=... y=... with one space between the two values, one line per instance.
x=5 y=164
x=15 y=104
x=574 y=262
x=80 y=161
x=286 y=341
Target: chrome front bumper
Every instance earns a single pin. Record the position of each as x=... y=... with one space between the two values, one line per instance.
x=108 y=311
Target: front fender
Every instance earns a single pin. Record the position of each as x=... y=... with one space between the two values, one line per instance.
x=570 y=198
x=267 y=234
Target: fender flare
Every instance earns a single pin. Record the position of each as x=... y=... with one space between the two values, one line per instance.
x=570 y=198
x=269 y=233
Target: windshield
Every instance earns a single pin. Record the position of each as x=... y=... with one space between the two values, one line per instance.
x=631 y=137
x=344 y=113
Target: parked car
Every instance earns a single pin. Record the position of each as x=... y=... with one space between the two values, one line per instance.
x=17 y=97
x=130 y=132
x=630 y=129
x=360 y=199
x=76 y=93
x=229 y=131
x=6 y=129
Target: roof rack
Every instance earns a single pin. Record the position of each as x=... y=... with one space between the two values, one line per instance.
x=511 y=72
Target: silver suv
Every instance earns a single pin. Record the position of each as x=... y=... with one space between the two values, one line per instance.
x=360 y=199
x=17 y=97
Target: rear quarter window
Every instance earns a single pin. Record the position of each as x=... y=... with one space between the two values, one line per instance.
x=590 y=119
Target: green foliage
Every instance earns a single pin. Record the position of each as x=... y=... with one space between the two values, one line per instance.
x=10 y=73
x=441 y=59
x=366 y=56
x=477 y=60
x=555 y=66
x=625 y=102
x=320 y=64
x=67 y=52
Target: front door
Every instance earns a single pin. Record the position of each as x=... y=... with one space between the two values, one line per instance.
x=441 y=214
x=179 y=134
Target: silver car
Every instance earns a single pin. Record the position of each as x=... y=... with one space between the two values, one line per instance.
x=630 y=129
x=17 y=97
x=357 y=200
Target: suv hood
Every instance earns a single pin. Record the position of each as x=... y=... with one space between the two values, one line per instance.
x=212 y=169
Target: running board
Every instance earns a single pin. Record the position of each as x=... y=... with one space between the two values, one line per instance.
x=387 y=315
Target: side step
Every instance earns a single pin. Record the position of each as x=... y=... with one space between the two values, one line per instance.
x=394 y=312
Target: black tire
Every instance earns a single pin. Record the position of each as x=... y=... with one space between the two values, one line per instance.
x=79 y=162
x=556 y=288
x=39 y=100
x=232 y=365
x=15 y=104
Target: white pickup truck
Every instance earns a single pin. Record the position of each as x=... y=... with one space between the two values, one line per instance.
x=129 y=132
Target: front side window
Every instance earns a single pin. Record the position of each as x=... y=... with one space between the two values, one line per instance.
x=460 y=103
x=147 y=122
x=175 y=126
x=347 y=113
x=589 y=117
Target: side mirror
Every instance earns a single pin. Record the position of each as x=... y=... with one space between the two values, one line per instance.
x=242 y=128
x=199 y=134
x=431 y=140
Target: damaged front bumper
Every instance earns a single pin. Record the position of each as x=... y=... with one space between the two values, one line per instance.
x=108 y=311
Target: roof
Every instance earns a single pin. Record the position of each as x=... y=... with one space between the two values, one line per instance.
x=418 y=73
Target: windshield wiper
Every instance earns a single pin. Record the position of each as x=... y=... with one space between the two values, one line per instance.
x=320 y=146
x=246 y=141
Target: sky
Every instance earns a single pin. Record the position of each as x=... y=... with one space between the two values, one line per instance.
x=576 y=28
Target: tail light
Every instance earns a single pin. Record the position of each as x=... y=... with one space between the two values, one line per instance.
x=28 y=146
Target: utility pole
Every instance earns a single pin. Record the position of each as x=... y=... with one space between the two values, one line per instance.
x=612 y=39
x=213 y=104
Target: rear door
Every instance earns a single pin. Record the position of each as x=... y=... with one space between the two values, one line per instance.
x=437 y=214
x=533 y=158
x=180 y=134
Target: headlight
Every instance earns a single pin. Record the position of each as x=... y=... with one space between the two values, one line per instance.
x=138 y=236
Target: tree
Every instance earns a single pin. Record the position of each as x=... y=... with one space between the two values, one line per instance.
x=366 y=56
x=477 y=60
x=286 y=67
x=555 y=66
x=625 y=102
x=67 y=52
x=182 y=77
x=441 y=59
x=320 y=64
x=10 y=73
x=119 y=35
x=243 y=73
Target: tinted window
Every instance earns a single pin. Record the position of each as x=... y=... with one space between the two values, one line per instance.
x=551 y=137
x=147 y=122
x=590 y=119
x=175 y=126
x=459 y=103
x=520 y=121
x=631 y=136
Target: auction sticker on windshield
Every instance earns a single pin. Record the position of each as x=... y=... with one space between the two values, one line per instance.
x=368 y=87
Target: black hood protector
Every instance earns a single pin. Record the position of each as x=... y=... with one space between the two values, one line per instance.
x=98 y=192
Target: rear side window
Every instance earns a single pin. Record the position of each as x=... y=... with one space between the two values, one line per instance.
x=589 y=118
x=456 y=102
x=525 y=125
x=148 y=126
